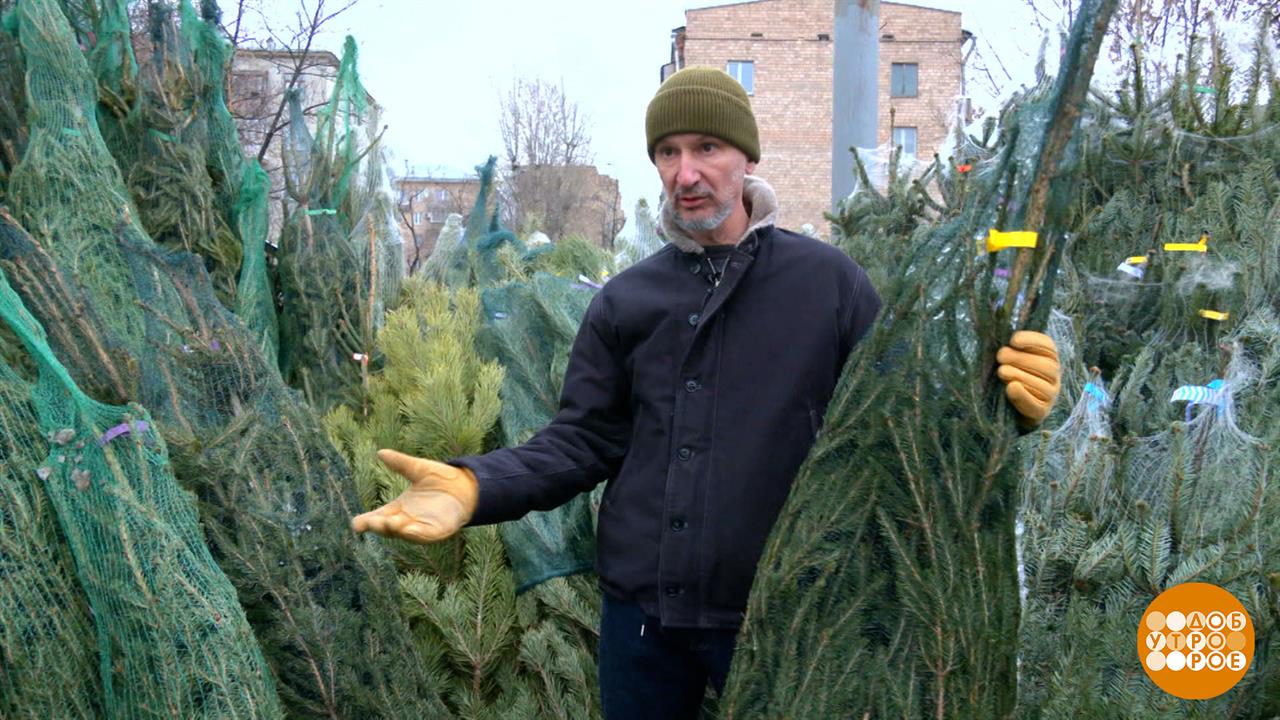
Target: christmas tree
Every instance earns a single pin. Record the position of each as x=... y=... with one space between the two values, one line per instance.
x=135 y=322
x=532 y=655
x=96 y=486
x=1159 y=471
x=888 y=587
x=644 y=242
x=341 y=254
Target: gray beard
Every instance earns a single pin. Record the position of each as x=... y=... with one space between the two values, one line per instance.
x=705 y=224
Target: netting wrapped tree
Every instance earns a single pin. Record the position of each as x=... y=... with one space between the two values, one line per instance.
x=1110 y=522
x=135 y=322
x=169 y=634
x=888 y=587
x=341 y=254
x=1162 y=472
x=47 y=639
x=240 y=184
x=644 y=241
x=529 y=328
x=166 y=122
x=12 y=108
x=161 y=145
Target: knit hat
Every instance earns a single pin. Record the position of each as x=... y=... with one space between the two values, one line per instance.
x=703 y=100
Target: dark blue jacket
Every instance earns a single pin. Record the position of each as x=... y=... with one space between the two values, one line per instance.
x=700 y=403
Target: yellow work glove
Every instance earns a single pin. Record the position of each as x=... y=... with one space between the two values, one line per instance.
x=1031 y=374
x=439 y=501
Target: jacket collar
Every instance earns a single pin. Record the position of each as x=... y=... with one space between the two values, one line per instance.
x=759 y=197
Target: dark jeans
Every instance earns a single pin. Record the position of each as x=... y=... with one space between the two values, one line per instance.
x=648 y=673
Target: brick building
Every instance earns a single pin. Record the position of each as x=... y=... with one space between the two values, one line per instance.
x=423 y=205
x=781 y=50
x=570 y=200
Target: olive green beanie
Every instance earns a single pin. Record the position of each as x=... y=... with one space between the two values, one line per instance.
x=703 y=100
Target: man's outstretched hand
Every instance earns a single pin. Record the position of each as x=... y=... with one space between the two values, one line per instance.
x=1031 y=374
x=438 y=502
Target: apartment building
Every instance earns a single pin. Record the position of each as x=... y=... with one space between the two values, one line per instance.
x=424 y=203
x=782 y=53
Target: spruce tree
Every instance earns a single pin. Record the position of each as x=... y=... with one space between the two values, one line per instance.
x=341 y=254
x=888 y=586
x=1131 y=493
x=134 y=322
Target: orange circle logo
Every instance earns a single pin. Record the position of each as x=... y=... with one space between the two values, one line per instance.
x=1195 y=641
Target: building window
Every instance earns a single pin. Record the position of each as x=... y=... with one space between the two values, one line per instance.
x=905 y=138
x=903 y=79
x=442 y=195
x=744 y=71
x=417 y=218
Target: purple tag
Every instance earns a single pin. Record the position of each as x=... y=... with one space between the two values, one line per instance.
x=121 y=429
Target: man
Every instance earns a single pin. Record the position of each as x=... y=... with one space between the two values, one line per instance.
x=696 y=386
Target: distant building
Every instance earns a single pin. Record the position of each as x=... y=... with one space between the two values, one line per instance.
x=424 y=203
x=570 y=200
x=781 y=51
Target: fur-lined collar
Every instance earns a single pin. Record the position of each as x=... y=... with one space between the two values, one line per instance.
x=758 y=197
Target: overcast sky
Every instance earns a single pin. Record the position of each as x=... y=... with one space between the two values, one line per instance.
x=438 y=68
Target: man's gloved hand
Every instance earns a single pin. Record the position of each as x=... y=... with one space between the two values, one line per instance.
x=1029 y=368
x=439 y=501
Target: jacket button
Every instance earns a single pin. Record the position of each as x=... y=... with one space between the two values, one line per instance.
x=684 y=453
x=675 y=590
x=678 y=524
x=692 y=386
x=694 y=268
x=693 y=318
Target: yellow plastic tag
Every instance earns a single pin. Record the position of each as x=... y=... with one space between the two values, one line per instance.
x=1214 y=315
x=1202 y=246
x=1136 y=260
x=998 y=240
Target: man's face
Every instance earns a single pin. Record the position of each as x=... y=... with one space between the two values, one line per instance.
x=702 y=177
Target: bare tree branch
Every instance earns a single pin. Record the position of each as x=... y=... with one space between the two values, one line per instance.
x=296 y=42
x=547 y=181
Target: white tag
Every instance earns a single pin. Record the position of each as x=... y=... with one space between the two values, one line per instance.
x=1131 y=270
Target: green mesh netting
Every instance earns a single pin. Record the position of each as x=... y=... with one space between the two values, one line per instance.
x=341 y=253
x=242 y=186
x=48 y=653
x=464 y=254
x=169 y=636
x=166 y=122
x=149 y=120
x=13 y=122
x=529 y=328
x=135 y=322
x=888 y=587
